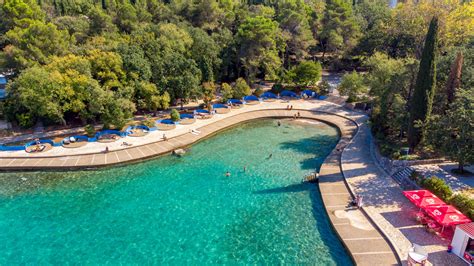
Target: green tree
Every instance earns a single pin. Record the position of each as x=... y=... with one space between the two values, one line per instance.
x=205 y=52
x=206 y=14
x=15 y=11
x=181 y=79
x=227 y=92
x=452 y=134
x=340 y=29
x=135 y=62
x=148 y=97
x=78 y=27
x=454 y=79
x=107 y=68
x=390 y=81
x=126 y=19
x=258 y=49
x=174 y=115
x=352 y=85
x=422 y=100
x=324 y=87
x=307 y=73
x=375 y=18
x=294 y=21
x=208 y=92
x=241 y=88
x=33 y=42
x=100 y=22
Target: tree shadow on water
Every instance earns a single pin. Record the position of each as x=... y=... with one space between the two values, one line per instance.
x=321 y=219
x=319 y=147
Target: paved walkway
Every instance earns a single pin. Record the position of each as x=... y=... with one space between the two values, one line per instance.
x=365 y=243
x=68 y=160
x=156 y=136
x=385 y=203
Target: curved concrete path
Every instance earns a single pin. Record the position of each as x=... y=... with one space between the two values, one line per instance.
x=140 y=152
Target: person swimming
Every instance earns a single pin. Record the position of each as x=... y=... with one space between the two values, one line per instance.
x=270 y=156
x=227 y=173
x=279 y=124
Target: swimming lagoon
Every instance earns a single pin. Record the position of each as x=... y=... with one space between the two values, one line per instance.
x=184 y=210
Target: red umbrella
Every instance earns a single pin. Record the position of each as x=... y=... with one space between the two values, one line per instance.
x=423 y=198
x=446 y=215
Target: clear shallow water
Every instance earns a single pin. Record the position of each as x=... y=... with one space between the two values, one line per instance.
x=181 y=210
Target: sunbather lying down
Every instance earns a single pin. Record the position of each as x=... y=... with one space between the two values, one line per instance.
x=126 y=144
x=38 y=148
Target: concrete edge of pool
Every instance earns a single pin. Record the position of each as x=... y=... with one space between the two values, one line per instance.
x=367 y=246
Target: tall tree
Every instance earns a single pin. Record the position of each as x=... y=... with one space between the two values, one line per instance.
x=258 y=50
x=35 y=41
x=454 y=79
x=294 y=22
x=452 y=134
x=422 y=100
x=340 y=29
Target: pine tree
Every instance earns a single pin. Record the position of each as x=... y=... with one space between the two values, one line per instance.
x=422 y=100
x=454 y=79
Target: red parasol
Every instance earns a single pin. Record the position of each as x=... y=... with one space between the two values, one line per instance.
x=423 y=198
x=446 y=215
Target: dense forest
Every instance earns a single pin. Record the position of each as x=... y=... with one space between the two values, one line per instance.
x=104 y=60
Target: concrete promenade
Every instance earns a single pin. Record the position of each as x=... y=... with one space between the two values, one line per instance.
x=385 y=203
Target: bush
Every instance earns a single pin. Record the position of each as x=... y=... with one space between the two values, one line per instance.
x=90 y=130
x=25 y=120
x=174 y=115
x=258 y=92
x=324 y=88
x=241 y=88
x=149 y=122
x=227 y=92
x=277 y=88
x=438 y=187
x=464 y=204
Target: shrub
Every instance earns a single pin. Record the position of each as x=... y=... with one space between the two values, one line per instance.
x=241 y=88
x=464 y=204
x=277 y=88
x=174 y=115
x=90 y=130
x=25 y=120
x=227 y=92
x=149 y=122
x=438 y=187
x=324 y=88
x=258 y=92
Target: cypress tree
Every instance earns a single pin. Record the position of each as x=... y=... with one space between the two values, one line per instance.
x=422 y=100
x=454 y=79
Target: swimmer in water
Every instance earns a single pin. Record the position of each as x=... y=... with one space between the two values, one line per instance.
x=279 y=124
x=245 y=169
x=270 y=156
x=227 y=173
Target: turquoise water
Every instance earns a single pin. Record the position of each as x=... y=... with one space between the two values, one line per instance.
x=181 y=210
